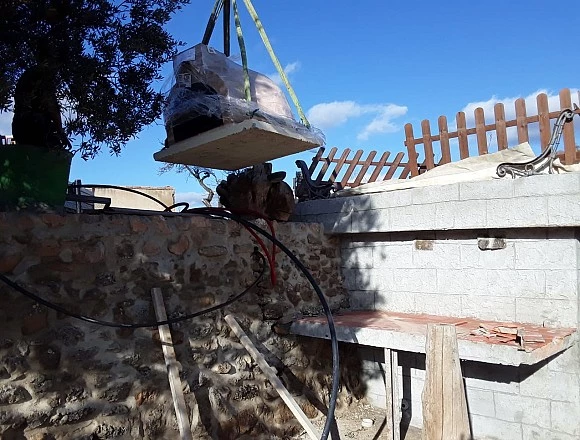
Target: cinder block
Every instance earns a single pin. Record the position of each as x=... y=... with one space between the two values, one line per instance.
x=521 y=409
x=415 y=280
x=566 y=417
x=361 y=257
x=493 y=308
x=362 y=300
x=549 y=312
x=430 y=194
x=336 y=223
x=562 y=284
x=402 y=302
x=349 y=278
x=516 y=283
x=517 y=212
x=473 y=257
x=413 y=217
x=491 y=377
x=480 y=402
x=487 y=189
x=394 y=255
x=469 y=214
x=462 y=281
x=375 y=279
x=536 y=433
x=444 y=254
x=547 y=184
x=438 y=304
x=564 y=210
x=391 y=199
x=486 y=427
x=374 y=220
x=553 y=385
x=546 y=254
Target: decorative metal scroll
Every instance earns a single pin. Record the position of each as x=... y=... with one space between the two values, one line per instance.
x=544 y=160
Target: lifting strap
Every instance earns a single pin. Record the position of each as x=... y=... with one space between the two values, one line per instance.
x=218 y=6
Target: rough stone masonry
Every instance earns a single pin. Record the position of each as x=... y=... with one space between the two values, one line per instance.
x=61 y=378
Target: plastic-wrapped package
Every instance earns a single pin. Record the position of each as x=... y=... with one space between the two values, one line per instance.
x=208 y=92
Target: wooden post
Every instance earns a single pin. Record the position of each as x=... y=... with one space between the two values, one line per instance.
x=544 y=120
x=500 y=126
x=462 y=135
x=445 y=414
x=568 y=133
x=428 y=144
x=522 y=121
x=392 y=395
x=172 y=368
x=273 y=378
x=444 y=139
x=412 y=152
x=480 y=131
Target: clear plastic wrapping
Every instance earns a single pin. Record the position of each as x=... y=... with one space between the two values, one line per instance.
x=208 y=91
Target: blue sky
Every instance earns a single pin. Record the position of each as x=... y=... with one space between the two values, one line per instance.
x=363 y=69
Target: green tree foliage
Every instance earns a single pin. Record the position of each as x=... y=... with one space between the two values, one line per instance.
x=104 y=56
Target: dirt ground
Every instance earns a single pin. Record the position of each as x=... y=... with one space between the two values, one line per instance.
x=350 y=425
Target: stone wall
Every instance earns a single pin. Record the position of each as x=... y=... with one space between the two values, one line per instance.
x=505 y=250
x=61 y=378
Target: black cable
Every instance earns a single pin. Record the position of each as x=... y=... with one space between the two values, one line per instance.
x=324 y=303
x=61 y=309
x=131 y=190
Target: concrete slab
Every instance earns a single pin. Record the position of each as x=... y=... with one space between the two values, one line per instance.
x=407 y=332
x=236 y=146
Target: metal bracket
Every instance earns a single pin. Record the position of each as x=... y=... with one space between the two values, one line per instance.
x=544 y=160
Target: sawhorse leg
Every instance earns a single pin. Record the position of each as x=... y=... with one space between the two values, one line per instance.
x=392 y=393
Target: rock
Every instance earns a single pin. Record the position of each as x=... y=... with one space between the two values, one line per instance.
x=180 y=246
x=48 y=356
x=213 y=251
x=34 y=323
x=246 y=392
x=70 y=335
x=222 y=368
x=9 y=262
x=10 y=394
x=117 y=392
x=70 y=415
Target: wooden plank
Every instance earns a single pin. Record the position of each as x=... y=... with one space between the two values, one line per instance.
x=351 y=168
x=393 y=407
x=273 y=378
x=172 y=367
x=521 y=120
x=445 y=414
x=568 y=133
x=543 y=120
x=480 y=131
x=393 y=168
x=365 y=166
x=500 y=126
x=379 y=167
x=444 y=139
x=412 y=152
x=427 y=144
x=336 y=171
x=325 y=164
x=462 y=136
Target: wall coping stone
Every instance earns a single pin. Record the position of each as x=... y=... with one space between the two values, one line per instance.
x=541 y=201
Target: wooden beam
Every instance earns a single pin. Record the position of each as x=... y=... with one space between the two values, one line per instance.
x=392 y=395
x=445 y=414
x=172 y=367
x=272 y=377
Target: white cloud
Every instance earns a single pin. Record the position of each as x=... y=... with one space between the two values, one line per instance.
x=332 y=114
x=6 y=123
x=193 y=198
x=289 y=69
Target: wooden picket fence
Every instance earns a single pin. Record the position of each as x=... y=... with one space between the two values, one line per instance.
x=482 y=129
x=350 y=172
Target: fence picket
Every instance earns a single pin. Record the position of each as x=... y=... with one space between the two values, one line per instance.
x=521 y=120
x=500 y=126
x=339 y=164
x=543 y=119
x=351 y=167
x=568 y=135
x=428 y=144
x=480 y=131
x=378 y=168
x=364 y=168
x=462 y=135
x=394 y=165
x=444 y=139
x=410 y=143
x=326 y=163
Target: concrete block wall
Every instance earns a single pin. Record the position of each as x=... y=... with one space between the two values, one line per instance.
x=419 y=251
